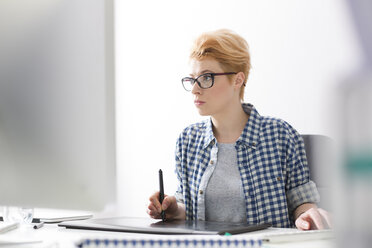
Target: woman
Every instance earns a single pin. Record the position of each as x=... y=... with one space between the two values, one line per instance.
x=237 y=166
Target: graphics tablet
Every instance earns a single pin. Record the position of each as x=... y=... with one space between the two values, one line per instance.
x=147 y=225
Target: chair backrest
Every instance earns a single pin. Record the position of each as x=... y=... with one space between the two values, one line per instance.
x=319 y=153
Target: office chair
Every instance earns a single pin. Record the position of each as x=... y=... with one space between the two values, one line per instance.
x=319 y=153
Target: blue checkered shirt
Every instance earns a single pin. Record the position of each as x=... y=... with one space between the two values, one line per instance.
x=272 y=164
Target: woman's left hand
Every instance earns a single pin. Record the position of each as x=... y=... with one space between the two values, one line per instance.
x=314 y=218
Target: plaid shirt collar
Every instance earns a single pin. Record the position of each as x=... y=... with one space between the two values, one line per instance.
x=250 y=135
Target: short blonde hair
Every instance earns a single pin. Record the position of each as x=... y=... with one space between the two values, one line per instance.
x=228 y=48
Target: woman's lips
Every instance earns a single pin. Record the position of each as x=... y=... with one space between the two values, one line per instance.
x=198 y=103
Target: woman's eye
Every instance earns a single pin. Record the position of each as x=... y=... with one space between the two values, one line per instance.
x=207 y=78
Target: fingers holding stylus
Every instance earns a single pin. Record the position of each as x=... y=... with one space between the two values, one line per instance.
x=169 y=206
x=155 y=208
x=154 y=201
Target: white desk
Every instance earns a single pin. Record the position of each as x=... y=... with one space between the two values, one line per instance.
x=53 y=236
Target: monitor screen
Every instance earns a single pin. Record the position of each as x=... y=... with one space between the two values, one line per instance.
x=57 y=146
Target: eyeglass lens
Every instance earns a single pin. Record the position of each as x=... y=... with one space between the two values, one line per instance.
x=205 y=81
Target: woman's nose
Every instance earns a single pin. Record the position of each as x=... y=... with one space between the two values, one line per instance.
x=196 y=89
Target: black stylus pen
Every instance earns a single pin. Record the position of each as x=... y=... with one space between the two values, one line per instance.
x=161 y=193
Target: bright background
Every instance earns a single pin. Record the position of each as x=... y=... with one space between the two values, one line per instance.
x=300 y=50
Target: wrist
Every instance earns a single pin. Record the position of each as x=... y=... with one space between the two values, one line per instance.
x=303 y=208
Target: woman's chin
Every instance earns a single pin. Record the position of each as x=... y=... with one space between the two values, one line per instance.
x=203 y=112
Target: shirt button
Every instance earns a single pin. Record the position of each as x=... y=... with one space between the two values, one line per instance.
x=201 y=192
x=211 y=162
x=278 y=178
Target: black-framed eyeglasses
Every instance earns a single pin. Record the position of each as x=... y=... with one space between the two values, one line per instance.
x=204 y=81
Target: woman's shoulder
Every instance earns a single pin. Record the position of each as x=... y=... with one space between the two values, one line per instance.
x=267 y=123
x=270 y=125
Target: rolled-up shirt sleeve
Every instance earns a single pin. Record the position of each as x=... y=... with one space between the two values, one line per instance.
x=299 y=188
x=305 y=193
x=179 y=195
x=179 y=192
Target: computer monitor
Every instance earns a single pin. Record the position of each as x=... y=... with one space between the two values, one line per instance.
x=57 y=145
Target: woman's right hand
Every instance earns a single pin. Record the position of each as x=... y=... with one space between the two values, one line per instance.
x=173 y=210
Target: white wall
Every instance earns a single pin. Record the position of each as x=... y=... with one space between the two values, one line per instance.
x=299 y=49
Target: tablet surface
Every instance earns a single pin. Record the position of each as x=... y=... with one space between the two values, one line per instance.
x=147 y=225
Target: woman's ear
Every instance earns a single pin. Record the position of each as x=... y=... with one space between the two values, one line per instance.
x=239 y=79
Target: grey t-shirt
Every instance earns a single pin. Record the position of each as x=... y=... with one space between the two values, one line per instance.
x=224 y=196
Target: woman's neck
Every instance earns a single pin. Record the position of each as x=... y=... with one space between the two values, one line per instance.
x=227 y=127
